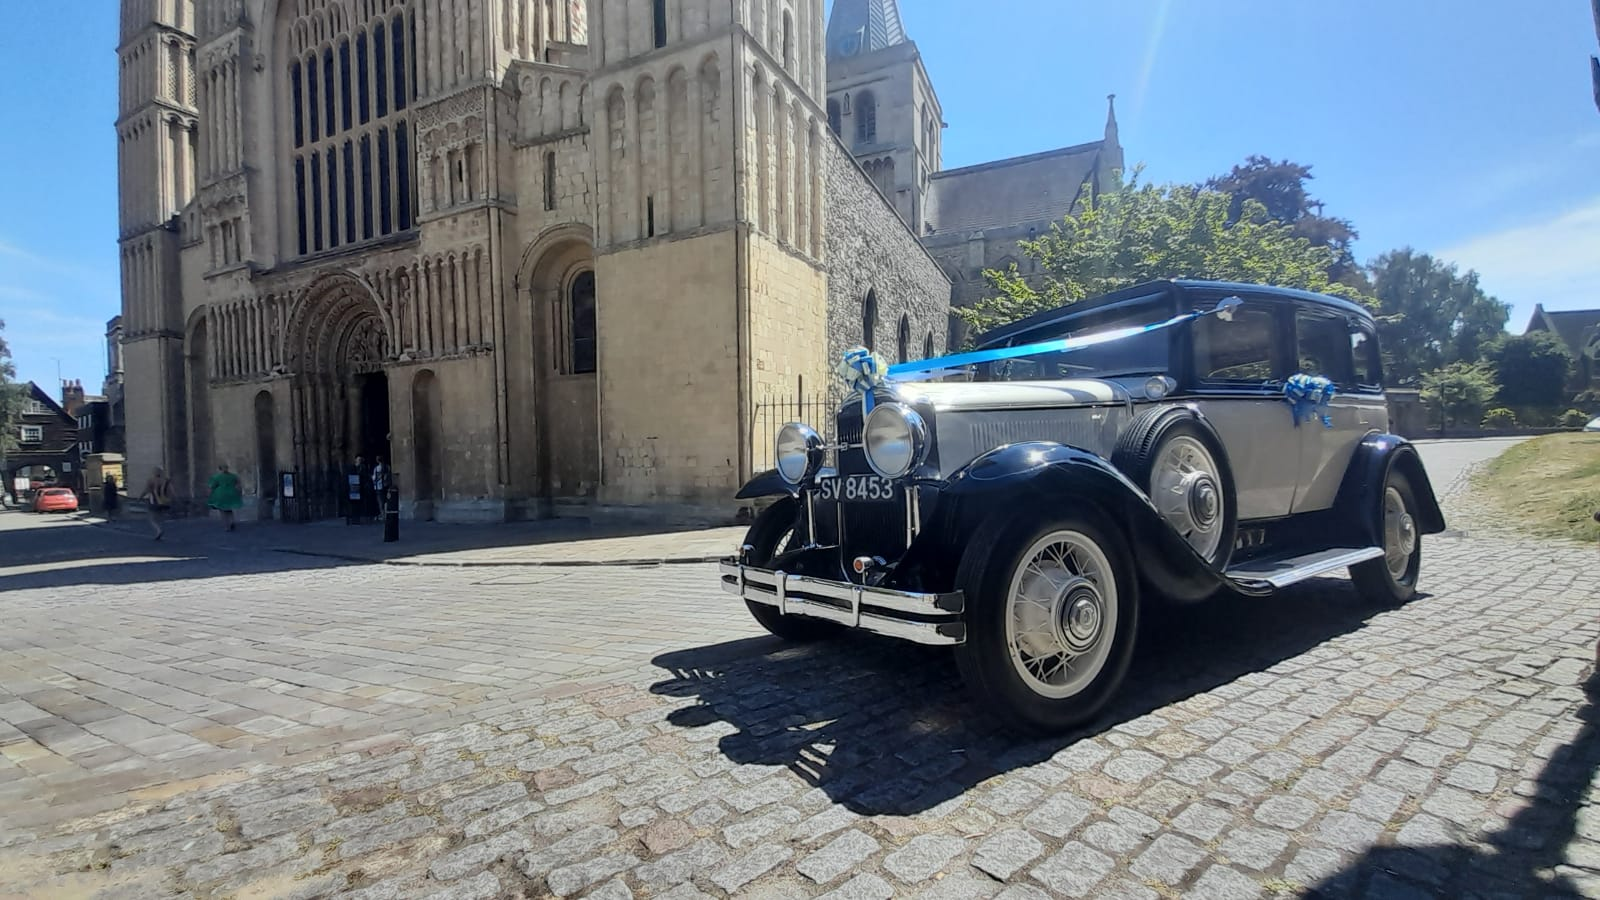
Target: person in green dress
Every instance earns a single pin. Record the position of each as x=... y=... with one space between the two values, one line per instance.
x=225 y=495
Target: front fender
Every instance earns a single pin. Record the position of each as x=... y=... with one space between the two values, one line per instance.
x=766 y=484
x=1036 y=473
x=1360 y=502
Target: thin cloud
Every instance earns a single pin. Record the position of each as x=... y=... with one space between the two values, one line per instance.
x=1553 y=261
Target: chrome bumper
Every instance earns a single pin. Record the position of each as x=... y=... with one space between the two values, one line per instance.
x=922 y=618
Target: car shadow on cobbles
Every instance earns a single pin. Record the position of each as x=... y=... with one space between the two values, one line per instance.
x=886 y=727
x=1532 y=855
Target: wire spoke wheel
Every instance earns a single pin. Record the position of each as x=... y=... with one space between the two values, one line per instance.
x=1061 y=614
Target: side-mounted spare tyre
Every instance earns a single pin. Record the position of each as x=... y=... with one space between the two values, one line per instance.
x=1177 y=460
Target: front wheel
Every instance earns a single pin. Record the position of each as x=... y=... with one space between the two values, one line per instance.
x=1052 y=611
x=1391 y=579
x=769 y=536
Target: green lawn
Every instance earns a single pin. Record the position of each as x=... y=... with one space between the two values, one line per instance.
x=1550 y=484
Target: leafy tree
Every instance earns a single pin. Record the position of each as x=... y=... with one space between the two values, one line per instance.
x=1531 y=369
x=1459 y=391
x=1134 y=233
x=1429 y=315
x=10 y=397
x=1280 y=188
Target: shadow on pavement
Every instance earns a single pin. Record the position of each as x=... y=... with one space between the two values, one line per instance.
x=1525 y=858
x=886 y=727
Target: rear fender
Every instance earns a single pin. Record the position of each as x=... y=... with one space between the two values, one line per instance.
x=1038 y=474
x=1360 y=502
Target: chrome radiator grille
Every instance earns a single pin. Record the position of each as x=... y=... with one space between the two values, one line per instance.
x=866 y=528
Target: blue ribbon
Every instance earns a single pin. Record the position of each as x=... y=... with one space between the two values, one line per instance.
x=862 y=370
x=1308 y=396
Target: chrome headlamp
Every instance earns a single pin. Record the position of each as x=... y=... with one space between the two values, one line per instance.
x=895 y=439
x=799 y=452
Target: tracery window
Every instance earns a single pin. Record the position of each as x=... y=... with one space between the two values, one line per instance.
x=347 y=97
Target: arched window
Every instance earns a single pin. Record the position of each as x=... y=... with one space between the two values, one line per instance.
x=346 y=92
x=903 y=340
x=866 y=118
x=550 y=180
x=869 y=319
x=581 y=340
x=927 y=346
x=788 y=41
x=833 y=118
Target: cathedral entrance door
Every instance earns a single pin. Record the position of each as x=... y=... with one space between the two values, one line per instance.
x=338 y=341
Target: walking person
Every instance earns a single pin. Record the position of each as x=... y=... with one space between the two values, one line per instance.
x=225 y=495
x=157 y=495
x=109 y=493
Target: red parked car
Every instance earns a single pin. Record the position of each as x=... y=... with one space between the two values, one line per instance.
x=55 y=500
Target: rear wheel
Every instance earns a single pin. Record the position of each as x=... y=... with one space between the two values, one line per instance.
x=1391 y=579
x=1052 y=611
x=770 y=536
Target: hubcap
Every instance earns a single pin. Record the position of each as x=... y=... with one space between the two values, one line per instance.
x=1399 y=534
x=1186 y=488
x=1062 y=613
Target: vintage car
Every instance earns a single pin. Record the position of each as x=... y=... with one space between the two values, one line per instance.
x=1030 y=513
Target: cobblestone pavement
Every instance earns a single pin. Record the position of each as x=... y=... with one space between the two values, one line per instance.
x=1302 y=745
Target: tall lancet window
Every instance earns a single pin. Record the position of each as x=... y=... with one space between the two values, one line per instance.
x=346 y=98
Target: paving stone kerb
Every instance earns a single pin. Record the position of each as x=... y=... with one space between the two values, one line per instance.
x=1310 y=743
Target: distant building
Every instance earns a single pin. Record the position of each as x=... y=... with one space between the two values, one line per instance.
x=882 y=105
x=1579 y=329
x=47 y=441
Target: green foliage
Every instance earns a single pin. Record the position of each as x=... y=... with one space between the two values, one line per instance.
x=10 y=396
x=1135 y=233
x=1531 y=368
x=1574 y=418
x=1280 y=188
x=1459 y=390
x=1429 y=315
x=1499 y=418
x=1588 y=400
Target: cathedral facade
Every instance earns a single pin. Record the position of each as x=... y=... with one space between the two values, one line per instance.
x=535 y=254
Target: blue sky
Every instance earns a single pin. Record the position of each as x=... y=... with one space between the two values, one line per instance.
x=1465 y=128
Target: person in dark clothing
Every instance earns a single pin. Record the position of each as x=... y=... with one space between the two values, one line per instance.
x=109 y=492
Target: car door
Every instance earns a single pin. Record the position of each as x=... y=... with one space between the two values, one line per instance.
x=1238 y=368
x=1327 y=343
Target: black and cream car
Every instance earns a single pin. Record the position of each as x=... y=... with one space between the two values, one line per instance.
x=1029 y=514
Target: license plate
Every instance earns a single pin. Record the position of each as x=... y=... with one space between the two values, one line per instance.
x=855 y=487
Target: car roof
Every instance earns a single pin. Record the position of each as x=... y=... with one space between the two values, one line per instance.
x=1176 y=289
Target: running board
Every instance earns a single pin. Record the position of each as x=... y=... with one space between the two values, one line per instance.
x=1279 y=573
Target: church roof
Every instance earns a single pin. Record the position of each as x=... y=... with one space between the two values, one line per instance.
x=1040 y=188
x=1577 y=328
x=859 y=27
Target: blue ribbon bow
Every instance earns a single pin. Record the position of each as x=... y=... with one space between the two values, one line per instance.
x=1308 y=396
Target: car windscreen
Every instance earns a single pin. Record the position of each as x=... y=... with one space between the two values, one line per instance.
x=1135 y=355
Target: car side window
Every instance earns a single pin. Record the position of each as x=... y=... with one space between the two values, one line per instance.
x=1368 y=362
x=1236 y=352
x=1322 y=344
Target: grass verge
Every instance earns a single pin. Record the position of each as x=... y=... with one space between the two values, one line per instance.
x=1550 y=485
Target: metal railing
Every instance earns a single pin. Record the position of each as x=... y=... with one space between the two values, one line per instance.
x=775 y=409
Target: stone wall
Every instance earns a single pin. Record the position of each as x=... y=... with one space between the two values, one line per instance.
x=870 y=249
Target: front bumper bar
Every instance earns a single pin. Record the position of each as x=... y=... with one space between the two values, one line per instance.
x=922 y=618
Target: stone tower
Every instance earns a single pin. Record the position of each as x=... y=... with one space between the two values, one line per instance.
x=882 y=104
x=709 y=233
x=156 y=157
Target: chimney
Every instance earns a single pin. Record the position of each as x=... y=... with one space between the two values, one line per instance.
x=72 y=396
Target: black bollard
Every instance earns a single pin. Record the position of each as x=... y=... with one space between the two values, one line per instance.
x=391 y=515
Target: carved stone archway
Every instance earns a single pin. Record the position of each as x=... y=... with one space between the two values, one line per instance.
x=336 y=347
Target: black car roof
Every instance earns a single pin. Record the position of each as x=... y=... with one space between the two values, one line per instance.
x=1176 y=289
